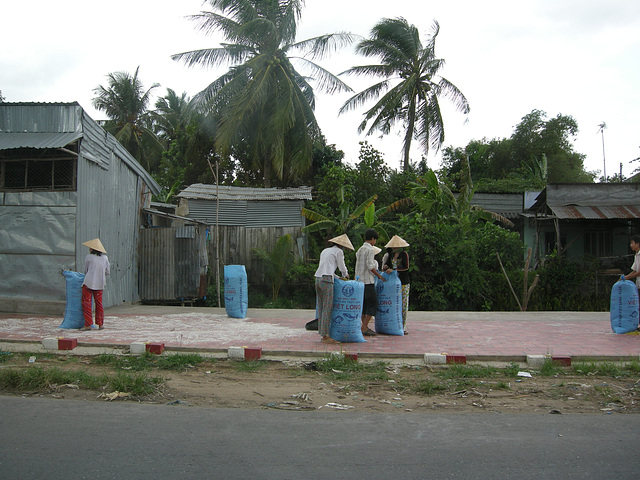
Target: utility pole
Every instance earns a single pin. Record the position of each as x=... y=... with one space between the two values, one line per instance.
x=601 y=128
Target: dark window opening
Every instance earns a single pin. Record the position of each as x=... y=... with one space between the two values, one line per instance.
x=46 y=171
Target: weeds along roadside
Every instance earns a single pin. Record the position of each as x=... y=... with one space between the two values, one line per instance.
x=143 y=375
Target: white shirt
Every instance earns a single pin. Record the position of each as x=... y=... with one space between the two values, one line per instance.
x=95 y=270
x=330 y=259
x=636 y=267
x=365 y=262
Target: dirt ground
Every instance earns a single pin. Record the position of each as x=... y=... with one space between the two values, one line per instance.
x=300 y=386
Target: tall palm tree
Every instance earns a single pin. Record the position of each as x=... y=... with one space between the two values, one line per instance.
x=411 y=86
x=125 y=102
x=264 y=105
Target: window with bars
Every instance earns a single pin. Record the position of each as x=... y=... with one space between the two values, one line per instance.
x=598 y=243
x=28 y=174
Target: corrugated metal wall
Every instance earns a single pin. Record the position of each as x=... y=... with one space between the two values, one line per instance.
x=43 y=232
x=110 y=196
x=172 y=263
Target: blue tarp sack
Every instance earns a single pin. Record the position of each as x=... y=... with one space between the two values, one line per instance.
x=624 y=306
x=346 y=315
x=236 y=298
x=73 y=317
x=389 y=314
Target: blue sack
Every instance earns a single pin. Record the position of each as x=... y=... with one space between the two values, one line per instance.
x=389 y=314
x=624 y=306
x=346 y=315
x=236 y=298
x=73 y=316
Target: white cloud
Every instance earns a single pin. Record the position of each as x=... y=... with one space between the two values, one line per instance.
x=575 y=57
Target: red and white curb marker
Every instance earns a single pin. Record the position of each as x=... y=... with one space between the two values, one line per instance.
x=537 y=361
x=244 y=353
x=138 y=348
x=59 y=343
x=444 y=359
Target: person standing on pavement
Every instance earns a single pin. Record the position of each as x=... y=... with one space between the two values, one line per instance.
x=398 y=259
x=96 y=268
x=331 y=258
x=366 y=272
x=635 y=268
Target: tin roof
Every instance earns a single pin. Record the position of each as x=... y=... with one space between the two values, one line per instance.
x=203 y=191
x=596 y=213
x=37 y=140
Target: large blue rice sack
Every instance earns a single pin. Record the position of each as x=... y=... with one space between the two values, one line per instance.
x=389 y=315
x=236 y=298
x=346 y=315
x=624 y=306
x=73 y=317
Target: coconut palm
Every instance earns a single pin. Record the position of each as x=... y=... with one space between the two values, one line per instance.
x=411 y=87
x=264 y=105
x=125 y=102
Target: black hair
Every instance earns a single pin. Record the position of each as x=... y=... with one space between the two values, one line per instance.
x=635 y=239
x=95 y=252
x=370 y=234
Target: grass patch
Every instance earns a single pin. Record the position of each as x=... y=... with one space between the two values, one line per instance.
x=137 y=384
x=249 y=365
x=511 y=370
x=179 y=361
x=468 y=371
x=135 y=363
x=5 y=356
x=549 y=369
x=423 y=387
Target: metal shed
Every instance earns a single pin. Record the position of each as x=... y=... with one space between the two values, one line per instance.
x=246 y=218
x=63 y=181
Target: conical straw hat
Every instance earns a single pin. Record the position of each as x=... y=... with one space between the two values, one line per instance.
x=95 y=244
x=376 y=250
x=396 y=242
x=342 y=240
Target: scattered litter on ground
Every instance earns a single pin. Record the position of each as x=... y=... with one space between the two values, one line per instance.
x=113 y=395
x=338 y=406
x=179 y=402
x=302 y=396
x=524 y=374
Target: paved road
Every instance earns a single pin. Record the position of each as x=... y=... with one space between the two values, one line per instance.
x=63 y=439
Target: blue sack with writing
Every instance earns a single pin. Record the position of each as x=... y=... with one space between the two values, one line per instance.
x=624 y=311
x=236 y=298
x=346 y=315
x=389 y=314
x=73 y=316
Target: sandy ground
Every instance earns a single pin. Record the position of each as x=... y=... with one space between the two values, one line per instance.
x=297 y=386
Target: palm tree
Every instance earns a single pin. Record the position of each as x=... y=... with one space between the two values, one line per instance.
x=171 y=115
x=125 y=102
x=411 y=86
x=264 y=105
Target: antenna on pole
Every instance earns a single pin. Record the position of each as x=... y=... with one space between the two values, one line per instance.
x=601 y=128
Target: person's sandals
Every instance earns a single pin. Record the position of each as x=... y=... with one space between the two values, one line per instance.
x=85 y=328
x=369 y=333
x=101 y=327
x=330 y=341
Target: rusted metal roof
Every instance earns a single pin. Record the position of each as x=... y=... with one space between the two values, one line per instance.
x=595 y=213
x=202 y=191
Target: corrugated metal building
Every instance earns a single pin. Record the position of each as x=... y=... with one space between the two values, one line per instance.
x=63 y=181
x=585 y=219
x=246 y=218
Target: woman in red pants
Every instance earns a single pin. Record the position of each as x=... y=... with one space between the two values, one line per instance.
x=96 y=268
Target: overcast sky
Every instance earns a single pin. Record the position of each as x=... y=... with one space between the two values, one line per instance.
x=570 y=57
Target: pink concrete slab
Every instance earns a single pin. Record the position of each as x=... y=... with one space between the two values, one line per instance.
x=499 y=334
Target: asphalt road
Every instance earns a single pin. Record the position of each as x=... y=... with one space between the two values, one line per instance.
x=64 y=439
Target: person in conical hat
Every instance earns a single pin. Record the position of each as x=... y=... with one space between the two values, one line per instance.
x=96 y=268
x=343 y=241
x=398 y=259
x=331 y=258
x=366 y=272
x=95 y=244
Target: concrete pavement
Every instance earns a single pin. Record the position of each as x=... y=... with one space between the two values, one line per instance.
x=480 y=336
